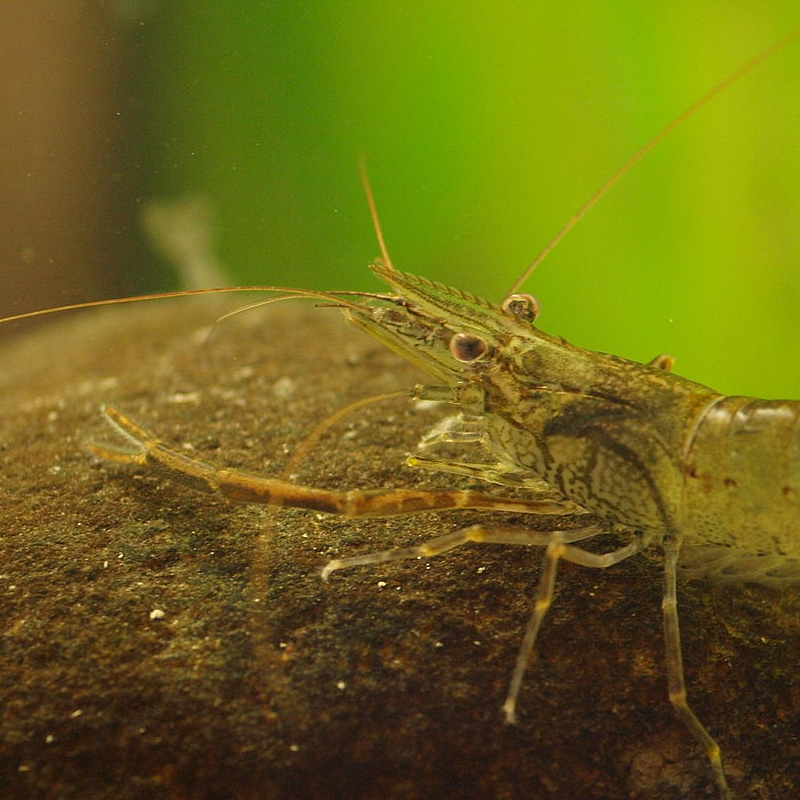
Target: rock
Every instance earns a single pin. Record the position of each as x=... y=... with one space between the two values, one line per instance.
x=258 y=680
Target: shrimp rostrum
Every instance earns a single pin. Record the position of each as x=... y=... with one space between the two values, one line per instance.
x=669 y=462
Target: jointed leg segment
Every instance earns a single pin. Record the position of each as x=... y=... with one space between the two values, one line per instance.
x=675 y=680
x=247 y=487
x=441 y=544
x=557 y=544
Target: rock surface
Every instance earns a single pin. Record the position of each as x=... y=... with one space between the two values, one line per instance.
x=159 y=643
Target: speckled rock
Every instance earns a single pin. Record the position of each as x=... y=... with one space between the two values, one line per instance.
x=159 y=643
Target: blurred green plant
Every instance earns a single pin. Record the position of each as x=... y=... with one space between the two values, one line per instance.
x=484 y=127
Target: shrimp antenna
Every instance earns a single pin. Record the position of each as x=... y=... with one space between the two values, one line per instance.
x=305 y=447
x=648 y=146
x=373 y=213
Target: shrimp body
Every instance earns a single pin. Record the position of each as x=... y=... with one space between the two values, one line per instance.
x=741 y=507
x=632 y=443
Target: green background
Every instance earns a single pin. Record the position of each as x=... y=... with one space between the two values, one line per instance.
x=485 y=126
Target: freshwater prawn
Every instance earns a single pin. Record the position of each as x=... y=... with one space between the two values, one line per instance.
x=711 y=480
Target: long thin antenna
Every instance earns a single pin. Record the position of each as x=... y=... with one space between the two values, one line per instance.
x=305 y=447
x=647 y=147
x=290 y=293
x=373 y=213
x=132 y=299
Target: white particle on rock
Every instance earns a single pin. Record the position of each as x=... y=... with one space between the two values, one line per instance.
x=283 y=388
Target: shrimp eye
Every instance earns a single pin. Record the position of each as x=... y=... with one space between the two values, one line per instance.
x=522 y=306
x=467 y=347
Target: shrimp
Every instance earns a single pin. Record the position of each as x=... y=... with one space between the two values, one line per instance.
x=628 y=448
x=667 y=461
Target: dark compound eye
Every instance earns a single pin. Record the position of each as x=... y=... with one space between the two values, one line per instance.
x=467 y=347
x=522 y=306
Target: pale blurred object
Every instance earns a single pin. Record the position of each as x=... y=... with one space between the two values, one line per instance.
x=182 y=231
